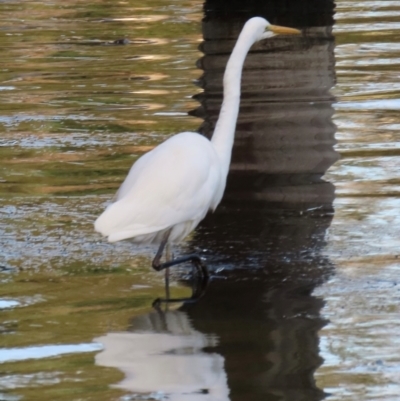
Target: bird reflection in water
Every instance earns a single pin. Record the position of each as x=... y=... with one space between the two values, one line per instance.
x=163 y=358
x=249 y=338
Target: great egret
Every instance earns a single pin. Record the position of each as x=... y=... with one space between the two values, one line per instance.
x=170 y=189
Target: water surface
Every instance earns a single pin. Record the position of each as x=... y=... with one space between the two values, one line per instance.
x=304 y=300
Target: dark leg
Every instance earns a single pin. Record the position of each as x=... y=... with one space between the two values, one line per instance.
x=195 y=259
x=200 y=285
x=168 y=256
x=157 y=259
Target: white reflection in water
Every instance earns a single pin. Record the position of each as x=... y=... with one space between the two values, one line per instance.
x=165 y=357
x=45 y=351
x=8 y=303
x=388 y=104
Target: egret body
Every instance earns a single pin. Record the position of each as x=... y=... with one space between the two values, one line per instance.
x=170 y=189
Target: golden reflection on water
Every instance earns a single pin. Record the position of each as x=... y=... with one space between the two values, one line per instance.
x=77 y=111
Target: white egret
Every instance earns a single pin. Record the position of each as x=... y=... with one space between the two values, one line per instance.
x=170 y=189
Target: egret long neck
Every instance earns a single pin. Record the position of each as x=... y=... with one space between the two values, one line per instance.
x=224 y=132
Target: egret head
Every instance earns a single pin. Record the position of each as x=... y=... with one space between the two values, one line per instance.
x=262 y=29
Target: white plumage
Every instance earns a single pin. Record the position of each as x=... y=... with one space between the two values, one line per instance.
x=173 y=186
x=154 y=196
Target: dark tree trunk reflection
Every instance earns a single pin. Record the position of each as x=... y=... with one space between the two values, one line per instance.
x=268 y=233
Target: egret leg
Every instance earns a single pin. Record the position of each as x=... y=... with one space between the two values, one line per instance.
x=195 y=259
x=200 y=285
x=156 y=263
x=168 y=257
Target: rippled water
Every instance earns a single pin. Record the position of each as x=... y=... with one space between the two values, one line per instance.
x=359 y=344
x=304 y=303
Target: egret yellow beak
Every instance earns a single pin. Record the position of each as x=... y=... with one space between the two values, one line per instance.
x=283 y=30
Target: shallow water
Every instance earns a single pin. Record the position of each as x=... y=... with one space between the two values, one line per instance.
x=304 y=300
